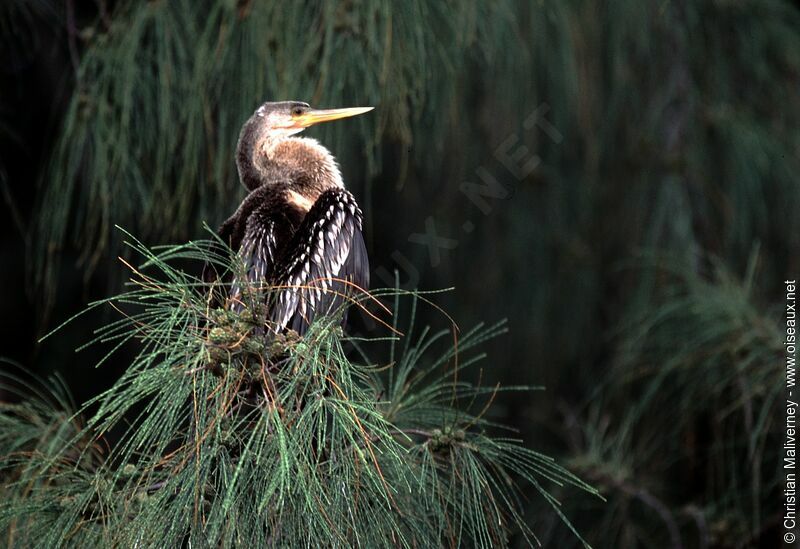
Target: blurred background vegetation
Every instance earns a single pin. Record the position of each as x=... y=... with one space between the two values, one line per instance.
x=618 y=179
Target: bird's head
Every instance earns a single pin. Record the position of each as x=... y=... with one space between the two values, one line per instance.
x=270 y=125
x=284 y=118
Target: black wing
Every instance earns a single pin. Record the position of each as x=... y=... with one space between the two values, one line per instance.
x=257 y=252
x=232 y=231
x=255 y=232
x=326 y=264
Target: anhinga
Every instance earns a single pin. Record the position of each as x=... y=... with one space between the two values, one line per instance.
x=298 y=230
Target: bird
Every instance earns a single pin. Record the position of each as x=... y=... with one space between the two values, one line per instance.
x=298 y=232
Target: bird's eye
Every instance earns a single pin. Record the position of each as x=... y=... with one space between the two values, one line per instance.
x=297 y=111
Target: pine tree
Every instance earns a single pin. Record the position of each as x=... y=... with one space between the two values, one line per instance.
x=228 y=437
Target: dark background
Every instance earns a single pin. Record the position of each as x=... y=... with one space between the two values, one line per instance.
x=618 y=179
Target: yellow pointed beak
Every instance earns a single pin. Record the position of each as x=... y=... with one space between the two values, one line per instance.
x=315 y=116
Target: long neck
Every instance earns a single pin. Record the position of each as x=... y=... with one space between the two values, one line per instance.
x=250 y=174
x=303 y=162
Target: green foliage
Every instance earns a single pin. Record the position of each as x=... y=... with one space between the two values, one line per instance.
x=722 y=388
x=220 y=436
x=40 y=428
